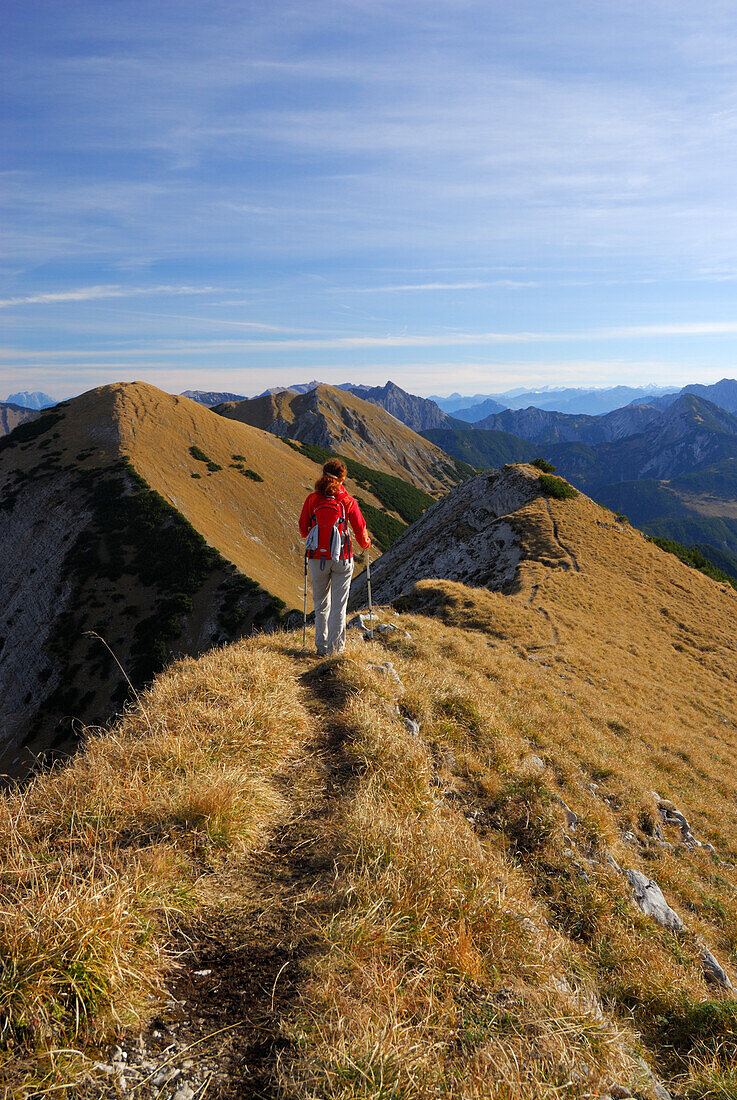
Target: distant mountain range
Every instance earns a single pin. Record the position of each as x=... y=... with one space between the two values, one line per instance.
x=672 y=471
x=31 y=400
x=592 y=401
x=418 y=413
x=210 y=398
x=723 y=393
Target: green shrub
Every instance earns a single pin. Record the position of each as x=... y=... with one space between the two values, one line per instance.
x=245 y=470
x=544 y=465
x=202 y=457
x=556 y=487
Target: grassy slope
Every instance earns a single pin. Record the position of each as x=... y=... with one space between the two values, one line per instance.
x=474 y=944
x=253 y=524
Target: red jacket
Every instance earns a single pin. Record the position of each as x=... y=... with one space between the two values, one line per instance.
x=353 y=514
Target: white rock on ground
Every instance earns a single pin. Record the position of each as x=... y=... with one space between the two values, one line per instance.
x=651 y=901
x=713 y=972
x=389 y=670
x=362 y=622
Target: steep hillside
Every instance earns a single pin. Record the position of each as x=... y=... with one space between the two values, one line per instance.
x=488 y=856
x=12 y=415
x=145 y=518
x=483 y=449
x=342 y=422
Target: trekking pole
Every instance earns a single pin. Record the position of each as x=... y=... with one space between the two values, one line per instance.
x=304 y=612
x=368 y=582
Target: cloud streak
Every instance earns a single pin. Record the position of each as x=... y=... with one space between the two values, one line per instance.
x=96 y=293
x=397 y=340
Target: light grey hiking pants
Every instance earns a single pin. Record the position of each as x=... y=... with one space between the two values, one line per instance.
x=331 y=582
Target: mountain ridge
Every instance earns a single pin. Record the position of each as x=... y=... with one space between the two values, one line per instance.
x=340 y=421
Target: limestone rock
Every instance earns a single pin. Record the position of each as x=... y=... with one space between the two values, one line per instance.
x=713 y=972
x=388 y=670
x=464 y=537
x=362 y=622
x=650 y=900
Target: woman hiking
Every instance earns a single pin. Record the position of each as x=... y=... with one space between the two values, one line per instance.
x=324 y=523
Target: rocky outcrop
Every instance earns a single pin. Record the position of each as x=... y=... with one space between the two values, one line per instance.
x=466 y=537
x=12 y=415
x=418 y=413
x=35 y=539
x=651 y=901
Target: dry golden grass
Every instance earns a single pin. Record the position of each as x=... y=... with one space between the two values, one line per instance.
x=252 y=524
x=614 y=663
x=101 y=856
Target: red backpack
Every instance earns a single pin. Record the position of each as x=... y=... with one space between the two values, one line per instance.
x=329 y=536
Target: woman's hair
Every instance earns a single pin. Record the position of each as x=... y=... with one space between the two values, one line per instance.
x=327 y=486
x=333 y=473
x=336 y=468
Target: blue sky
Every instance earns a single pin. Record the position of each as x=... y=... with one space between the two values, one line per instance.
x=457 y=195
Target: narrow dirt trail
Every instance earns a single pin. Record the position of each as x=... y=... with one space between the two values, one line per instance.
x=244 y=958
x=566 y=549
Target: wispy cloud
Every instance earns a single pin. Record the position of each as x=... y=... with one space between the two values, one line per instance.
x=391 y=288
x=437 y=340
x=93 y=293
